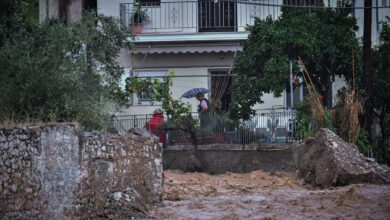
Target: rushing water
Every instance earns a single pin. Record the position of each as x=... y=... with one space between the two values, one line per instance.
x=260 y=195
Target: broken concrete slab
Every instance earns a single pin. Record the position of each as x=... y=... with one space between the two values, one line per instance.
x=327 y=160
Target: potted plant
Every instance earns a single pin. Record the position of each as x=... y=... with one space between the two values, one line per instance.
x=138 y=17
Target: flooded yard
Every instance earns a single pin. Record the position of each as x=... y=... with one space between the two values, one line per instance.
x=260 y=195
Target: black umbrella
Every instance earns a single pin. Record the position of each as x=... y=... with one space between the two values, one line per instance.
x=193 y=92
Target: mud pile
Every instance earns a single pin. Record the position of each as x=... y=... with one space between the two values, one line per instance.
x=327 y=160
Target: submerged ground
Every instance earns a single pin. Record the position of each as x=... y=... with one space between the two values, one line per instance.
x=260 y=195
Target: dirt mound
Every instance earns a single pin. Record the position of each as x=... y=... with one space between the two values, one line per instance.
x=327 y=161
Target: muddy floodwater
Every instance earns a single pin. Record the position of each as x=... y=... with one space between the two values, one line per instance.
x=260 y=195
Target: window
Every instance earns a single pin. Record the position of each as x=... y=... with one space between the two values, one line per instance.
x=149 y=2
x=144 y=97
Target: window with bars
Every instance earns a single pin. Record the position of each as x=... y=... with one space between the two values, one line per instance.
x=144 y=97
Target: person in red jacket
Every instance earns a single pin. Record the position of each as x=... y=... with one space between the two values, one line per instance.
x=156 y=125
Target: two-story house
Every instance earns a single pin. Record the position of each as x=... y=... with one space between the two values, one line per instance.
x=197 y=39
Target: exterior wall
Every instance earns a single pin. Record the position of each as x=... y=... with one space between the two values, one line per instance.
x=338 y=84
x=247 y=11
x=49 y=9
x=184 y=65
x=270 y=101
x=179 y=86
x=74 y=10
x=110 y=8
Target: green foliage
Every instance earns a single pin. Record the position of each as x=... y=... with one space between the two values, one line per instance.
x=381 y=90
x=66 y=71
x=363 y=144
x=325 y=45
x=381 y=81
x=304 y=125
x=139 y=16
x=179 y=115
x=159 y=90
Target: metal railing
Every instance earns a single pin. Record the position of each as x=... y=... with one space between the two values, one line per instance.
x=266 y=126
x=191 y=16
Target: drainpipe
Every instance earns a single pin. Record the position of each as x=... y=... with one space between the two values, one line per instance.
x=47 y=9
x=59 y=12
x=292 y=100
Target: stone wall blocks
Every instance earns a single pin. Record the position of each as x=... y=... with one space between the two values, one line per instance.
x=28 y=168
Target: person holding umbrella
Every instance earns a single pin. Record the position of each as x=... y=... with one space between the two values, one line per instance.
x=204 y=104
x=203 y=110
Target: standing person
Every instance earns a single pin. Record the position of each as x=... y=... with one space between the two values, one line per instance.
x=203 y=110
x=156 y=125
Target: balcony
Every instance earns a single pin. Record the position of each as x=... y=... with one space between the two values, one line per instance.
x=189 y=16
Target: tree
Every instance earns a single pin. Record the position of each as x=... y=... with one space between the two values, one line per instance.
x=66 y=72
x=367 y=60
x=323 y=39
x=381 y=85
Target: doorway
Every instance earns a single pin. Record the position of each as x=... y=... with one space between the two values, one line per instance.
x=220 y=90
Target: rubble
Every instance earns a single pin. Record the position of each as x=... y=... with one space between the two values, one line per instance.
x=327 y=160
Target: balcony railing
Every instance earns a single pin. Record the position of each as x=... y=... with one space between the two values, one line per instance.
x=191 y=16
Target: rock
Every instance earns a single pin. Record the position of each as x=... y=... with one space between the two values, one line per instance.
x=5 y=146
x=14 y=188
x=140 y=132
x=2 y=139
x=329 y=161
x=11 y=145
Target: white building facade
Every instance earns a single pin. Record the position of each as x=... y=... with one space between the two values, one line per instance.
x=199 y=40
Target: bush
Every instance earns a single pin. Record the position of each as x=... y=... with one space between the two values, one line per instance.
x=65 y=72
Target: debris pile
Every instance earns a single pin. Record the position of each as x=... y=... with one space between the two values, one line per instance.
x=327 y=160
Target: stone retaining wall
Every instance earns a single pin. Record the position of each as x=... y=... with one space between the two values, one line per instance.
x=57 y=171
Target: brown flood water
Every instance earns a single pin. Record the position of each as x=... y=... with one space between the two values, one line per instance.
x=259 y=195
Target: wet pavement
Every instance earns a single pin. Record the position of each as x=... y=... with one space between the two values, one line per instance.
x=260 y=195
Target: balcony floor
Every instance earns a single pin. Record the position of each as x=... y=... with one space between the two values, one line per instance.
x=210 y=36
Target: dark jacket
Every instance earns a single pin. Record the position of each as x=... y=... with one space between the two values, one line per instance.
x=200 y=106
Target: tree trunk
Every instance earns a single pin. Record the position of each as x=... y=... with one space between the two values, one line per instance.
x=367 y=60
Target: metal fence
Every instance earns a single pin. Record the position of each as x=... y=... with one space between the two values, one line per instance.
x=191 y=16
x=266 y=126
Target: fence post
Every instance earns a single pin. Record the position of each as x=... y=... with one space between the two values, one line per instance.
x=292 y=101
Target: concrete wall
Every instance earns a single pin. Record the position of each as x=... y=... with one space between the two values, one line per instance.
x=231 y=160
x=57 y=171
